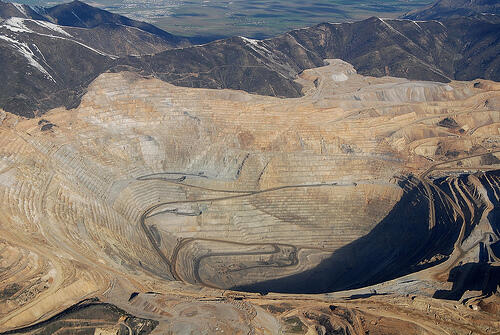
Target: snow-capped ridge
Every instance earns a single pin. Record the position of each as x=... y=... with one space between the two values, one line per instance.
x=17 y=24
x=53 y=27
x=254 y=44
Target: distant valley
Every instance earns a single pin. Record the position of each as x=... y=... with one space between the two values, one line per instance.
x=251 y=18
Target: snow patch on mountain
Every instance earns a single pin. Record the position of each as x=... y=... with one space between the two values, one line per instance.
x=254 y=45
x=30 y=56
x=53 y=27
x=18 y=25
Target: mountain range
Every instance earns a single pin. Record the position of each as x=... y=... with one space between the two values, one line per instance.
x=50 y=55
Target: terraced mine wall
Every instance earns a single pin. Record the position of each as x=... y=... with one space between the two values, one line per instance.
x=188 y=193
x=405 y=241
x=90 y=317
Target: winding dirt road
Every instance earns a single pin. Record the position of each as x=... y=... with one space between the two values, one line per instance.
x=277 y=247
x=171 y=263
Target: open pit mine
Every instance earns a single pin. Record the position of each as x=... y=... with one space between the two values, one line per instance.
x=366 y=206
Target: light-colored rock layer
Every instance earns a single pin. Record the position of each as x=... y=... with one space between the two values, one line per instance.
x=233 y=188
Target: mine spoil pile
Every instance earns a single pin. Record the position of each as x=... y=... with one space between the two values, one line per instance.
x=158 y=209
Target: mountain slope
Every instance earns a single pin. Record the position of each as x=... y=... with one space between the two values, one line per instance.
x=414 y=50
x=236 y=63
x=8 y=10
x=464 y=49
x=49 y=65
x=79 y=14
x=45 y=71
x=454 y=8
x=42 y=60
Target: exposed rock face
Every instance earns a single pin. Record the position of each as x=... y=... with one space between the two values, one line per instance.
x=156 y=198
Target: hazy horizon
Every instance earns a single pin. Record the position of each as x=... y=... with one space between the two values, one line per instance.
x=251 y=18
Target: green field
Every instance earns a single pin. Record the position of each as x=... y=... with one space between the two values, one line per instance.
x=251 y=18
